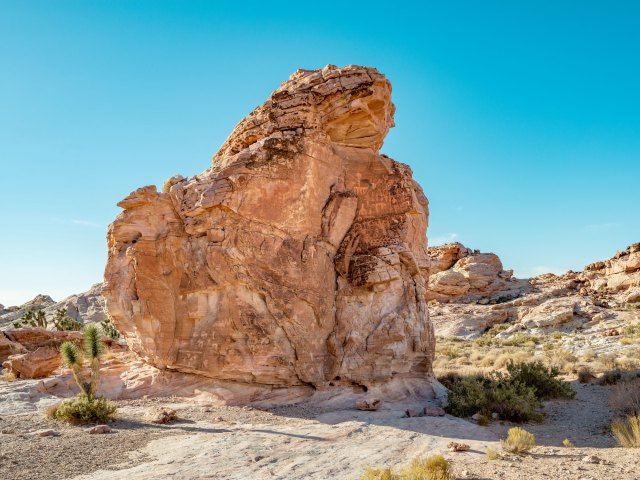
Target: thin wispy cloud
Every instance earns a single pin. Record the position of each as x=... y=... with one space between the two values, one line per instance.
x=601 y=227
x=442 y=239
x=76 y=221
x=85 y=223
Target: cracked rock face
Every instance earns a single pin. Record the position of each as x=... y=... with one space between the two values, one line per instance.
x=298 y=258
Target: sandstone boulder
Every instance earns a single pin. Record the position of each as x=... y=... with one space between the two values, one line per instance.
x=298 y=258
x=461 y=274
x=550 y=313
x=8 y=348
x=37 y=364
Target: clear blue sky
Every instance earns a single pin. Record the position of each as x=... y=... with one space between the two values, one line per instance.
x=521 y=120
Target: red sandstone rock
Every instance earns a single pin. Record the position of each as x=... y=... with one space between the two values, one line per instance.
x=298 y=258
x=37 y=364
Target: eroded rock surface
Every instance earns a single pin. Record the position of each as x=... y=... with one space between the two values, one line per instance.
x=298 y=258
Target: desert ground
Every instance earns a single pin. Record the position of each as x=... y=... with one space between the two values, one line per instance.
x=300 y=442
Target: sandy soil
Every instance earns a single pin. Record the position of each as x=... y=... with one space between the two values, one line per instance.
x=301 y=442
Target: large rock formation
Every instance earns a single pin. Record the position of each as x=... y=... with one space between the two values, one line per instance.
x=298 y=258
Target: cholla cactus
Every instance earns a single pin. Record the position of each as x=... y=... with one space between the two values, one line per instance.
x=73 y=358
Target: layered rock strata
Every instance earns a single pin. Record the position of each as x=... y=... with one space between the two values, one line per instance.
x=298 y=258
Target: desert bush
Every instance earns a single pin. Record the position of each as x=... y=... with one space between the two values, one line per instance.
x=514 y=395
x=518 y=441
x=561 y=359
x=627 y=431
x=8 y=376
x=610 y=377
x=632 y=330
x=379 y=474
x=513 y=400
x=607 y=361
x=467 y=396
x=625 y=397
x=568 y=443
x=86 y=407
x=492 y=454
x=503 y=359
x=521 y=340
x=81 y=410
x=435 y=467
x=589 y=356
x=544 y=380
x=585 y=374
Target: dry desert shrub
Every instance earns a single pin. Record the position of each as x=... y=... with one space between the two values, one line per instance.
x=627 y=431
x=492 y=454
x=511 y=357
x=568 y=443
x=561 y=359
x=518 y=441
x=610 y=377
x=625 y=397
x=607 y=361
x=585 y=374
x=588 y=356
x=9 y=376
x=435 y=467
x=378 y=474
x=81 y=410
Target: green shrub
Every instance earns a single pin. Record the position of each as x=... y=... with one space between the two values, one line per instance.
x=81 y=410
x=514 y=401
x=86 y=407
x=514 y=395
x=544 y=380
x=467 y=397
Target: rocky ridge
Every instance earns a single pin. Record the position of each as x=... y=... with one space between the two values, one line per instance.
x=84 y=307
x=598 y=299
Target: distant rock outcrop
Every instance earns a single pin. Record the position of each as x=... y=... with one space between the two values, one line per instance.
x=461 y=274
x=541 y=304
x=84 y=307
x=298 y=258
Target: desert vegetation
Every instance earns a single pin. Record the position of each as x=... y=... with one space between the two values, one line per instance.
x=434 y=467
x=513 y=395
x=86 y=407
